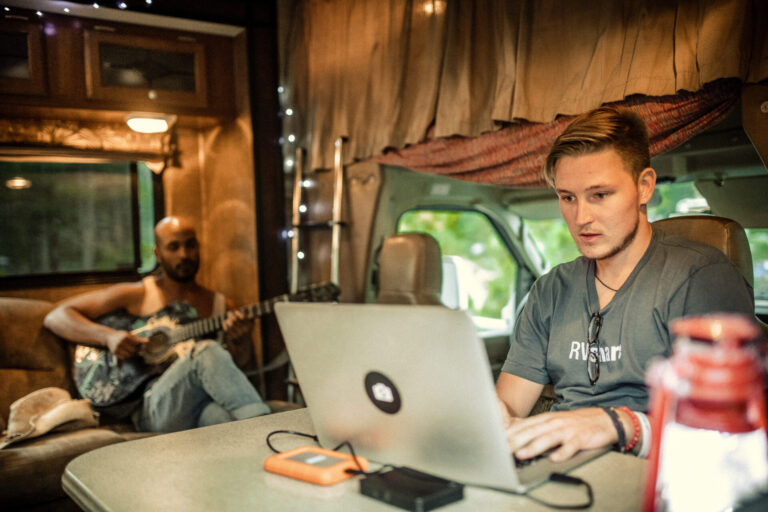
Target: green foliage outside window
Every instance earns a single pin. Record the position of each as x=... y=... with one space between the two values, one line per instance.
x=758 y=244
x=72 y=217
x=483 y=259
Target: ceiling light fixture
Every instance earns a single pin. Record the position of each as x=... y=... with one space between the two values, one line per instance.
x=149 y=123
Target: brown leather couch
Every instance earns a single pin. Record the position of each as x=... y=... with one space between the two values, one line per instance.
x=32 y=358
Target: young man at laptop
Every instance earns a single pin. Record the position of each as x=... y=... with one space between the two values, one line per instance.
x=203 y=386
x=591 y=326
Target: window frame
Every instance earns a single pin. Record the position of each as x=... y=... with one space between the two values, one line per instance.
x=525 y=275
x=17 y=282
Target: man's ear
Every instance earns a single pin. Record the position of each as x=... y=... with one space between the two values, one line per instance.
x=646 y=182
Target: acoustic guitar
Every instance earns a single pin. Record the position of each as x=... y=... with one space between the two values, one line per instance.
x=105 y=380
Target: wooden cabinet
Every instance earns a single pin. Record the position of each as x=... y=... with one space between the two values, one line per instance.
x=22 y=66
x=63 y=62
x=124 y=67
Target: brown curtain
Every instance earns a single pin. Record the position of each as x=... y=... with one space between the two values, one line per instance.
x=515 y=155
x=384 y=72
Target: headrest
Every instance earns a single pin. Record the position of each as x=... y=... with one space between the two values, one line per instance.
x=724 y=234
x=45 y=410
x=410 y=270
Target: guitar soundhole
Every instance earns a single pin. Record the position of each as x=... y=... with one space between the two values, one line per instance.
x=158 y=343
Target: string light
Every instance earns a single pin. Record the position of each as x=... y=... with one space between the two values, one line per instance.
x=289 y=112
x=7 y=9
x=307 y=183
x=291 y=138
x=281 y=89
x=95 y=5
x=122 y=5
x=39 y=14
x=300 y=255
x=289 y=162
x=303 y=208
x=66 y=10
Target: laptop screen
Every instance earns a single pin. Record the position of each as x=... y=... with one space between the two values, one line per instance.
x=405 y=385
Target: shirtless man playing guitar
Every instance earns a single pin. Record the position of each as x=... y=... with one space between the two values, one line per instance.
x=202 y=385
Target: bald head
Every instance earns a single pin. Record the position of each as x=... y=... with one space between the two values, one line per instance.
x=170 y=225
x=176 y=248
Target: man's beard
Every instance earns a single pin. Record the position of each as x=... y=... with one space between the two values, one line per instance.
x=188 y=271
x=624 y=243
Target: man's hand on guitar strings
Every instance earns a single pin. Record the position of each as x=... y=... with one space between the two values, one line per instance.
x=236 y=326
x=124 y=344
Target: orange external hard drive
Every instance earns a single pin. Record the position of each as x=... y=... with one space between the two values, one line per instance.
x=314 y=464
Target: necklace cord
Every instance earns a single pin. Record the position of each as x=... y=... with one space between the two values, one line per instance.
x=602 y=283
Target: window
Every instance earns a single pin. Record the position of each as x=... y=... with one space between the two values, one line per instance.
x=758 y=245
x=553 y=240
x=672 y=199
x=479 y=272
x=70 y=218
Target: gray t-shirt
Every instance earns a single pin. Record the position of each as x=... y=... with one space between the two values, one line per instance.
x=674 y=278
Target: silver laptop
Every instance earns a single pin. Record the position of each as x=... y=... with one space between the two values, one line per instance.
x=407 y=386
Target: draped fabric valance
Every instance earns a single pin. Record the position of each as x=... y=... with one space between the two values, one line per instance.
x=515 y=155
x=384 y=73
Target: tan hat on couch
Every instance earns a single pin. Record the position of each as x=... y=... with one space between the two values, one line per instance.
x=45 y=410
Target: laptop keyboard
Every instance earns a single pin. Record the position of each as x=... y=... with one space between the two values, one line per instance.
x=521 y=463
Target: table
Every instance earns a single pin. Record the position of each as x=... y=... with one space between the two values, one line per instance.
x=221 y=468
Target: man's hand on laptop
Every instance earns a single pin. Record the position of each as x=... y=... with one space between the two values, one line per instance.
x=567 y=432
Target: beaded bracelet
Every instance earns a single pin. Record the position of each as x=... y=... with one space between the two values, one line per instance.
x=636 y=424
x=644 y=445
x=611 y=412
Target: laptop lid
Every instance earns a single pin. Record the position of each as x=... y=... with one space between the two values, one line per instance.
x=405 y=385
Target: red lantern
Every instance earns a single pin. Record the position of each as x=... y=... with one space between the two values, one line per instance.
x=708 y=410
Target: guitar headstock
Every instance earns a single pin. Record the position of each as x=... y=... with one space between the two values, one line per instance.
x=318 y=292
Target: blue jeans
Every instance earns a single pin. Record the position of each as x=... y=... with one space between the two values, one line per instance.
x=204 y=387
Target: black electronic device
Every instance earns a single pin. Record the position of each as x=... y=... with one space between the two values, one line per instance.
x=411 y=490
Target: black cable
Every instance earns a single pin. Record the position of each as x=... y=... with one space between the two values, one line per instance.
x=291 y=432
x=571 y=480
x=360 y=470
x=554 y=477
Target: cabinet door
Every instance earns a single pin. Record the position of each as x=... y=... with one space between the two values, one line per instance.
x=21 y=59
x=144 y=71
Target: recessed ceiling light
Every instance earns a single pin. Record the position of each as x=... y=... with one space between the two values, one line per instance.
x=18 y=183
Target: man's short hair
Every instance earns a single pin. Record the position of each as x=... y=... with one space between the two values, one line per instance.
x=617 y=128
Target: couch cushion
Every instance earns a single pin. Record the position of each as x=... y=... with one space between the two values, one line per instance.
x=31 y=357
x=24 y=342
x=31 y=470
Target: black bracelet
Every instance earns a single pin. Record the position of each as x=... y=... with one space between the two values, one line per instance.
x=611 y=412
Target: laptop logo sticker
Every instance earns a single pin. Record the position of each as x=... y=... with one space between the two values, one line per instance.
x=382 y=392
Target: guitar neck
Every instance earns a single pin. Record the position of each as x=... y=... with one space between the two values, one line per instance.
x=204 y=326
